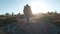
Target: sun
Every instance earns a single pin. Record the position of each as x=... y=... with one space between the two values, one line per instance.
x=38 y=7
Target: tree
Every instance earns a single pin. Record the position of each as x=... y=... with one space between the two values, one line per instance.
x=48 y=13
x=7 y=14
x=18 y=14
x=27 y=12
x=55 y=12
x=12 y=13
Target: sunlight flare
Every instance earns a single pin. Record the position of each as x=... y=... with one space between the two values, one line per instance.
x=38 y=7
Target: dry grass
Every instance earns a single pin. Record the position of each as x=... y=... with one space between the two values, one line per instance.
x=7 y=20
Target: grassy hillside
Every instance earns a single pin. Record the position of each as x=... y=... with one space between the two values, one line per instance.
x=7 y=20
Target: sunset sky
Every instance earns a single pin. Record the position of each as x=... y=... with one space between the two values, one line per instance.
x=16 y=6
